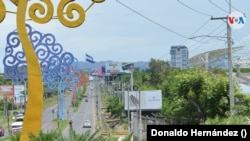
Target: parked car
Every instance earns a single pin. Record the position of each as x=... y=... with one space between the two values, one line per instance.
x=18 y=112
x=86 y=100
x=1 y=131
x=87 y=124
x=19 y=118
x=19 y=115
x=16 y=127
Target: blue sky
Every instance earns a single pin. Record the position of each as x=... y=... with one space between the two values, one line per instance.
x=138 y=30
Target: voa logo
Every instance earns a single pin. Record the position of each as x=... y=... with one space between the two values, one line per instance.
x=236 y=20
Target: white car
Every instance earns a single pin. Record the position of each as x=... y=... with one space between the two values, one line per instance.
x=19 y=115
x=16 y=127
x=19 y=119
x=87 y=124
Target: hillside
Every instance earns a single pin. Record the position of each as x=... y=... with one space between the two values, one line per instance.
x=90 y=66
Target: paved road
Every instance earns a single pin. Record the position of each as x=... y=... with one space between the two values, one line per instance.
x=86 y=111
x=48 y=115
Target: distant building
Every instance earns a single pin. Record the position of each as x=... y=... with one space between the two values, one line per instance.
x=219 y=58
x=179 y=57
x=242 y=61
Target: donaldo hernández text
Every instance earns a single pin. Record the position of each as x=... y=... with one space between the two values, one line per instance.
x=193 y=132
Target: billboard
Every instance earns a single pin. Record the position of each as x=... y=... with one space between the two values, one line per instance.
x=113 y=67
x=19 y=96
x=12 y=92
x=117 y=67
x=145 y=100
x=6 y=91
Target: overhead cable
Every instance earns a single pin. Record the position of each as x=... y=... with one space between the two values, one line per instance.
x=217 y=6
x=162 y=26
x=194 y=9
x=203 y=25
x=234 y=7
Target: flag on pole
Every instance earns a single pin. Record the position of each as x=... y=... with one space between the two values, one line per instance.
x=89 y=58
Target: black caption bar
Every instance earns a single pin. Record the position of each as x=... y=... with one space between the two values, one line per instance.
x=237 y=132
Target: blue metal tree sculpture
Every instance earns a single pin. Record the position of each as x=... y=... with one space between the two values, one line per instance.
x=59 y=68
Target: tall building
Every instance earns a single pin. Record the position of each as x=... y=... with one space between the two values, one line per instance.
x=179 y=57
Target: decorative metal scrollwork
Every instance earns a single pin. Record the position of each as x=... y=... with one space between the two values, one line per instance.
x=47 y=16
x=59 y=68
x=70 y=7
x=55 y=63
x=67 y=18
x=2 y=11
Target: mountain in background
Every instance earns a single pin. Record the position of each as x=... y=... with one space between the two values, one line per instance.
x=142 y=65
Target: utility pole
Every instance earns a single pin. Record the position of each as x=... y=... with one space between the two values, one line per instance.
x=128 y=112
x=230 y=68
x=131 y=89
x=140 y=120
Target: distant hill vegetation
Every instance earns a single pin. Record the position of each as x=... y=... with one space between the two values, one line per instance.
x=142 y=65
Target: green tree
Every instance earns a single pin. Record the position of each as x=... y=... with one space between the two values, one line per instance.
x=115 y=106
x=159 y=70
x=197 y=94
x=4 y=81
x=56 y=135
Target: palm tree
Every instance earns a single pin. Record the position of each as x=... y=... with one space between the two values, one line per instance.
x=57 y=136
x=49 y=136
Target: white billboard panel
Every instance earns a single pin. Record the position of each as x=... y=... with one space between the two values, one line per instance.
x=12 y=92
x=113 y=67
x=18 y=94
x=145 y=100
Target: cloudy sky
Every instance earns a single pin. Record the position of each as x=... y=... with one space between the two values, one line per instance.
x=138 y=30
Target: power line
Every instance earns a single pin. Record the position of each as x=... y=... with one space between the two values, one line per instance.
x=138 y=13
x=217 y=6
x=193 y=9
x=162 y=25
x=210 y=38
x=237 y=37
x=202 y=13
x=209 y=34
x=203 y=25
x=234 y=7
